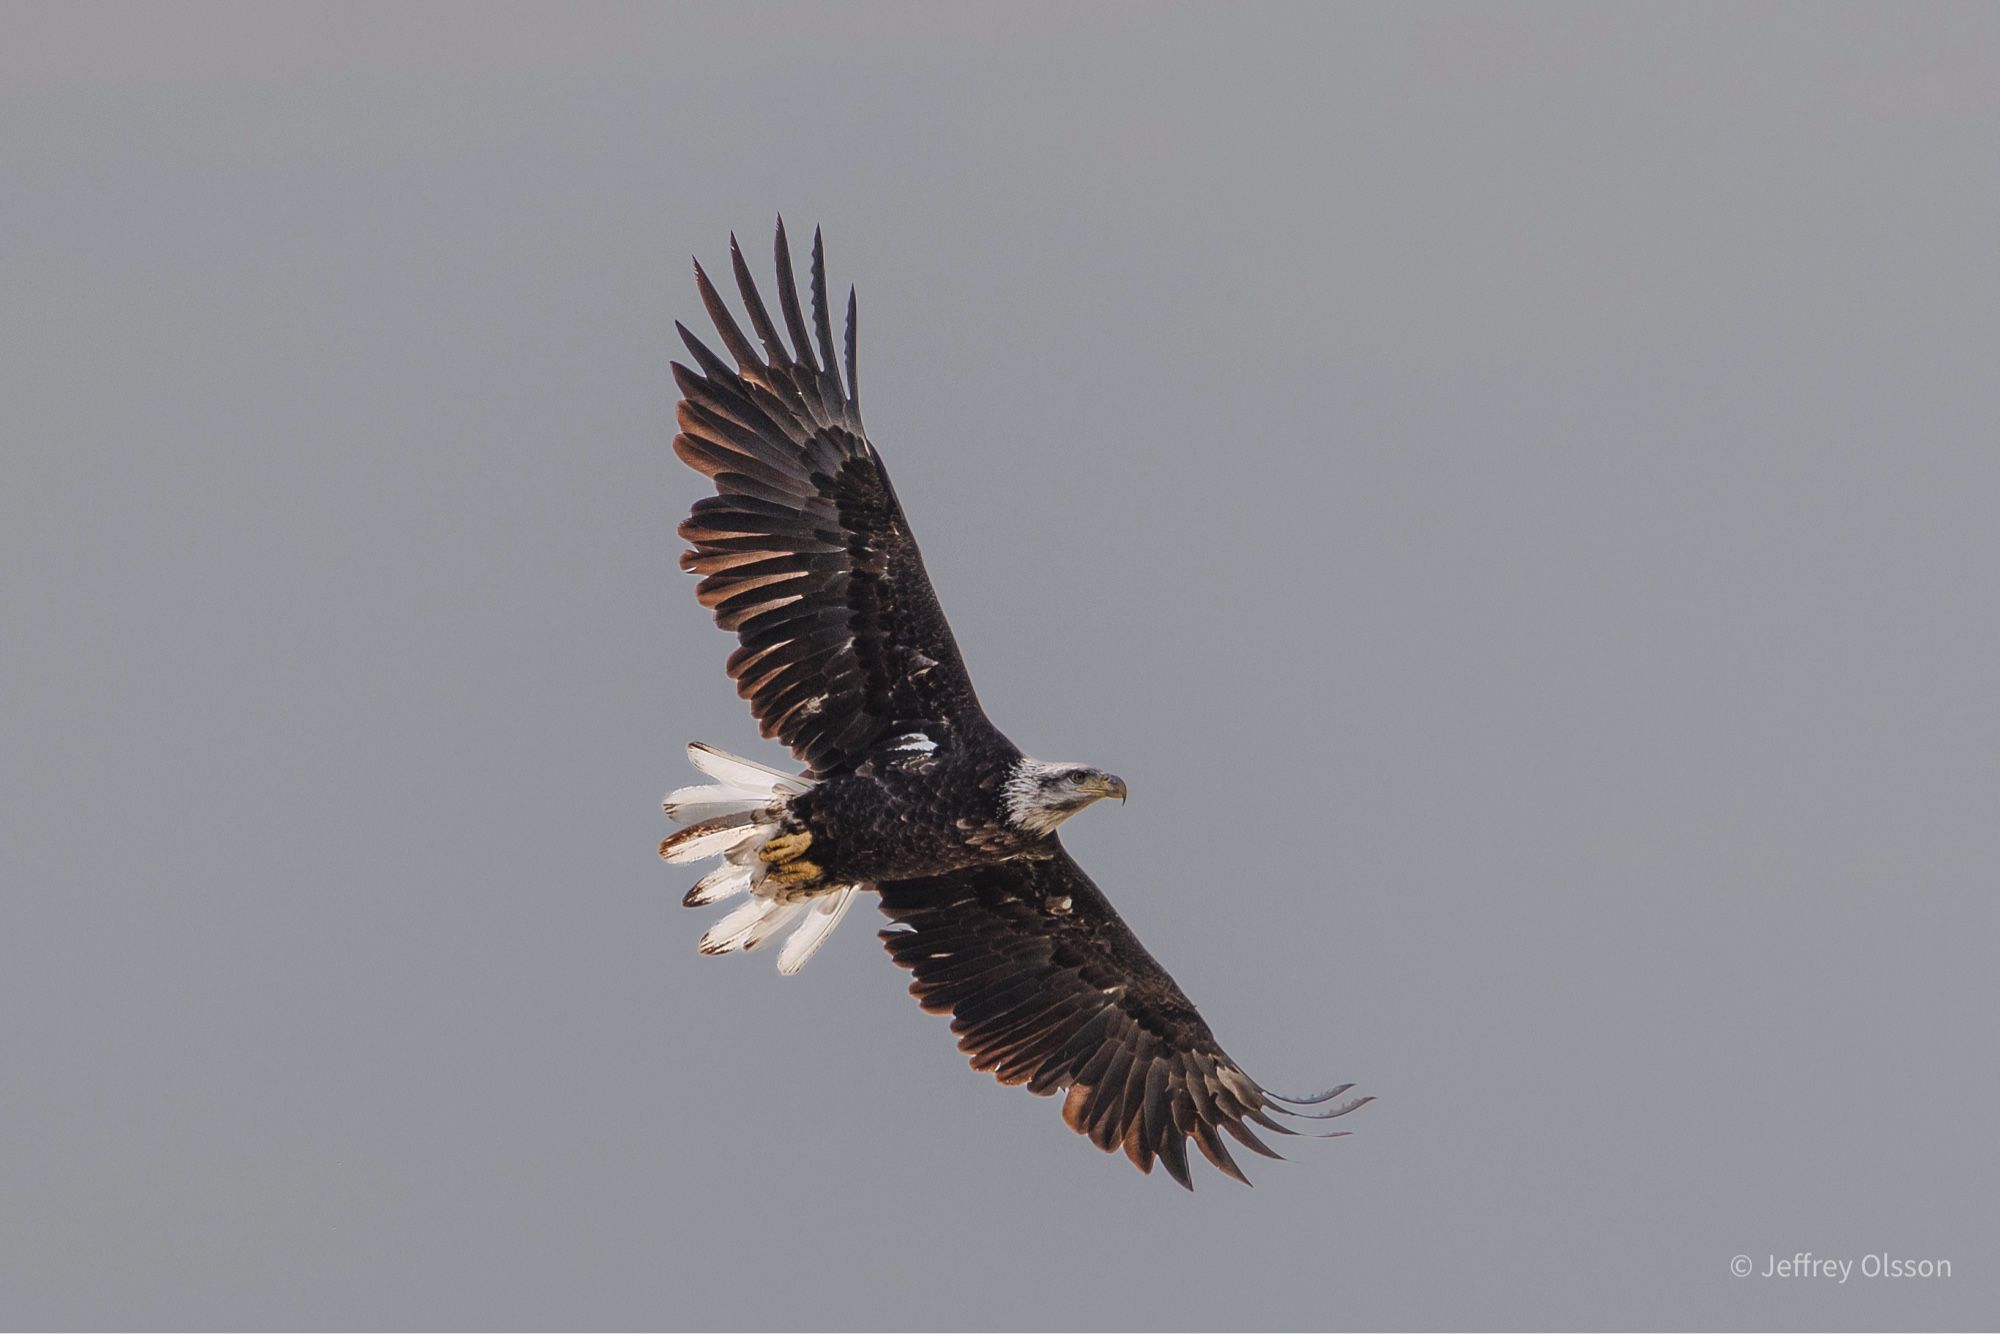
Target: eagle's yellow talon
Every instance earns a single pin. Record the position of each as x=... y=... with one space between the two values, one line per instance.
x=794 y=874
x=784 y=848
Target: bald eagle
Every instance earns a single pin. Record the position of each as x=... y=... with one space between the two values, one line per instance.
x=909 y=791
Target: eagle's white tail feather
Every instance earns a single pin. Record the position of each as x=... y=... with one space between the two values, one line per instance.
x=712 y=839
x=776 y=918
x=724 y=882
x=734 y=817
x=698 y=805
x=729 y=933
x=715 y=792
x=805 y=942
x=737 y=772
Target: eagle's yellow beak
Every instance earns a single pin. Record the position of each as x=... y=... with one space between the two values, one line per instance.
x=1105 y=785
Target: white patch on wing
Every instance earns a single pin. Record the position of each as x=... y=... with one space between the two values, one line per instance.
x=915 y=741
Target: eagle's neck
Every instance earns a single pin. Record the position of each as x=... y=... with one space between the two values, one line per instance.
x=1033 y=800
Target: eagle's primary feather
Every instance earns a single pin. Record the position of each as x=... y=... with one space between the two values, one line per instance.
x=845 y=656
x=804 y=550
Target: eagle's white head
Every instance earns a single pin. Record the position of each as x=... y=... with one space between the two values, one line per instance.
x=1039 y=795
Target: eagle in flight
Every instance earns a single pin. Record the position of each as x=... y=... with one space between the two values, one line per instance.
x=910 y=792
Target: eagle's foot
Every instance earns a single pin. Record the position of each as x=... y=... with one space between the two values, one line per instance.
x=795 y=875
x=782 y=848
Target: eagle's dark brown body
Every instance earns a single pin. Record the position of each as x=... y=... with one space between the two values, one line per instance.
x=928 y=803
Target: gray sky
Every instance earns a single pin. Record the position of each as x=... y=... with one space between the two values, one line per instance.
x=1513 y=490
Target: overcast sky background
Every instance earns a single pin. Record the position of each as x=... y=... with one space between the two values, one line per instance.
x=1513 y=489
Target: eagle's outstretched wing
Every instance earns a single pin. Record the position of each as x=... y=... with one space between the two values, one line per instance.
x=805 y=551
x=1049 y=988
